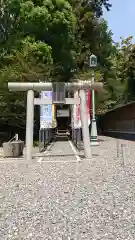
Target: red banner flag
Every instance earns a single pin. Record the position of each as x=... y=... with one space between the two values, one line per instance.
x=77 y=108
x=88 y=104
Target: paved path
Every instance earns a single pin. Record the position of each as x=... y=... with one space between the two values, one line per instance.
x=59 y=151
x=60 y=197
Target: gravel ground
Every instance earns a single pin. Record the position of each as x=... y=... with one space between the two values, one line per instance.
x=92 y=200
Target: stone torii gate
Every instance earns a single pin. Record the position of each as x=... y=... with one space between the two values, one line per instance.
x=30 y=87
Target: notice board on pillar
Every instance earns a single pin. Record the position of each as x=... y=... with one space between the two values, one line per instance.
x=46 y=111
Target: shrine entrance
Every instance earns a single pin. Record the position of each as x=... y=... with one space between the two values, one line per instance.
x=58 y=97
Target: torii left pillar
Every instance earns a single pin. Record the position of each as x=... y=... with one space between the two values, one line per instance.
x=29 y=124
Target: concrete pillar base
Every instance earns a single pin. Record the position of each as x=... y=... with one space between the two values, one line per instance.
x=93 y=137
x=94 y=143
x=13 y=149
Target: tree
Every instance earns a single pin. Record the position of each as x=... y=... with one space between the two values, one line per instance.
x=50 y=40
x=120 y=82
x=91 y=33
x=97 y=6
x=35 y=44
x=49 y=22
x=124 y=68
x=131 y=75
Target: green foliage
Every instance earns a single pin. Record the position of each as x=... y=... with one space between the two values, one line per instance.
x=35 y=38
x=120 y=82
x=50 y=24
x=92 y=36
x=52 y=40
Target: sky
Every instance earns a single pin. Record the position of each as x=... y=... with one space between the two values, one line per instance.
x=121 y=19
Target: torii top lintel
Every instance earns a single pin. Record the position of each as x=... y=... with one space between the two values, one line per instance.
x=48 y=86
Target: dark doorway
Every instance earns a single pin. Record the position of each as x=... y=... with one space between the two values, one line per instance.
x=63 y=117
x=63 y=123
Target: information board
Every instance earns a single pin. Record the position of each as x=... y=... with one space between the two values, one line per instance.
x=46 y=111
